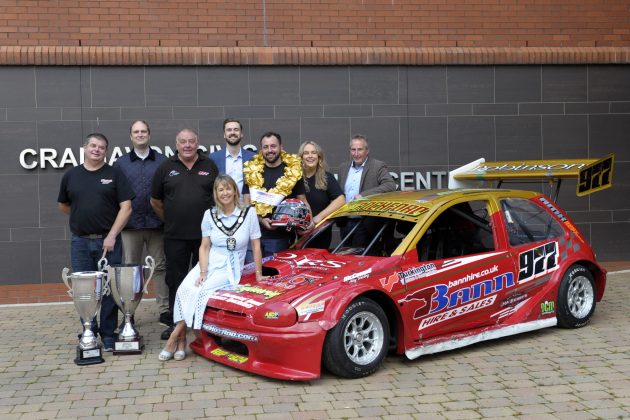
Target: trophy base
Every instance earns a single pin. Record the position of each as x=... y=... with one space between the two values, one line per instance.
x=129 y=347
x=89 y=357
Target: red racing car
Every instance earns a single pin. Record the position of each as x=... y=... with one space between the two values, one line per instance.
x=441 y=269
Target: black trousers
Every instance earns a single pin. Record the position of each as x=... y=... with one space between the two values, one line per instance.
x=181 y=255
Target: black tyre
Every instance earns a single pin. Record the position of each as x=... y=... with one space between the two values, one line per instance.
x=358 y=344
x=576 y=297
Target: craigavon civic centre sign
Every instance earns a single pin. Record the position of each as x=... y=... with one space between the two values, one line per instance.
x=45 y=158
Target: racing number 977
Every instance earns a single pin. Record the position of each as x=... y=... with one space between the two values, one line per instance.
x=596 y=176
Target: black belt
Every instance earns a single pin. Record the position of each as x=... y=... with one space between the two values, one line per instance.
x=92 y=236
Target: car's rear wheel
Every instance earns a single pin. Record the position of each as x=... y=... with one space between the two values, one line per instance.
x=357 y=345
x=576 y=297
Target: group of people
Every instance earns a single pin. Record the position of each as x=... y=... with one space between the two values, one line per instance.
x=148 y=201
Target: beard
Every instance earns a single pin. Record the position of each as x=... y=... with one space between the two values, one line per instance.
x=271 y=158
x=233 y=141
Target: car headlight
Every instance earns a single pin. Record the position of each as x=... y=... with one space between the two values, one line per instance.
x=275 y=314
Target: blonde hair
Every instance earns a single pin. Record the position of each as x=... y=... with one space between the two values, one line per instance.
x=321 y=182
x=226 y=180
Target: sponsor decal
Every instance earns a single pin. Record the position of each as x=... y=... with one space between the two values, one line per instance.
x=547 y=307
x=552 y=208
x=474 y=276
x=354 y=277
x=438 y=298
x=406 y=209
x=537 y=262
x=389 y=281
x=414 y=273
x=106 y=181
x=560 y=216
x=471 y=307
x=310 y=308
x=233 y=357
x=508 y=167
x=306 y=262
x=268 y=294
x=203 y=173
x=513 y=300
x=289 y=284
x=271 y=315
x=224 y=332
x=236 y=299
x=173 y=173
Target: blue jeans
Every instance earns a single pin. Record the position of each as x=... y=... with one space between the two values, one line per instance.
x=272 y=245
x=84 y=255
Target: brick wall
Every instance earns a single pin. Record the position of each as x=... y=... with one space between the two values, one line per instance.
x=324 y=23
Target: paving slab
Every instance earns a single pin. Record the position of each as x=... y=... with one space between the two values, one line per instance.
x=552 y=373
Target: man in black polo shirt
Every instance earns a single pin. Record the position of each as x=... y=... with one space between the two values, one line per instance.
x=182 y=191
x=98 y=199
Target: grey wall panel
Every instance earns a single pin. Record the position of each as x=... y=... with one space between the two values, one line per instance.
x=299 y=111
x=470 y=138
x=58 y=86
x=434 y=110
x=373 y=85
x=328 y=85
x=21 y=191
x=20 y=263
x=223 y=86
x=85 y=114
x=274 y=85
x=617 y=197
x=495 y=109
x=347 y=110
x=49 y=214
x=564 y=83
x=608 y=83
x=609 y=133
x=426 y=85
x=171 y=86
x=117 y=86
x=33 y=114
x=197 y=112
x=289 y=130
x=467 y=84
x=518 y=138
x=565 y=136
x=17 y=87
x=15 y=137
x=211 y=131
x=611 y=241
x=254 y=111
x=517 y=84
x=55 y=255
x=427 y=141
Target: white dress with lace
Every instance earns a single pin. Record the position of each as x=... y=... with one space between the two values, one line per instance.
x=224 y=266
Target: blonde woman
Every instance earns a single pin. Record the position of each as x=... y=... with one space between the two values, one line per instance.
x=323 y=192
x=226 y=231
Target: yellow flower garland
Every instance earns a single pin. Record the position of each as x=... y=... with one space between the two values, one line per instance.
x=253 y=175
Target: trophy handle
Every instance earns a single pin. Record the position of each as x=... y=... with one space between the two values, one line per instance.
x=102 y=262
x=64 y=277
x=106 y=281
x=150 y=264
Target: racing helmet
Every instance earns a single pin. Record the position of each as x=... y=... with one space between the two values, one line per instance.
x=291 y=214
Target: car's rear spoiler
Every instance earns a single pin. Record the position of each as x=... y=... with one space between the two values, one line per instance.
x=592 y=174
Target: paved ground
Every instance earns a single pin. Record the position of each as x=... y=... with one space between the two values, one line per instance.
x=552 y=373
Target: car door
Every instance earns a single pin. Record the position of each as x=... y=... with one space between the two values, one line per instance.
x=460 y=273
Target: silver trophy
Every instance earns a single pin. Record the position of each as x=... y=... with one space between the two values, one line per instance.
x=87 y=289
x=128 y=282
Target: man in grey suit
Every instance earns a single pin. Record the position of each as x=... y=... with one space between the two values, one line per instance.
x=360 y=177
x=230 y=161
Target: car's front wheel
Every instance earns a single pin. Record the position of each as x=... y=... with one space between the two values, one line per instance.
x=576 y=297
x=357 y=345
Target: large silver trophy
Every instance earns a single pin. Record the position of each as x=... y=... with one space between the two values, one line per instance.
x=86 y=289
x=128 y=282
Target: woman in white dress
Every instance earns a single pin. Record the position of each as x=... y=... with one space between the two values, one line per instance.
x=226 y=230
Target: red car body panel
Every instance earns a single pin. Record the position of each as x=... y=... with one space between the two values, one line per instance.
x=277 y=327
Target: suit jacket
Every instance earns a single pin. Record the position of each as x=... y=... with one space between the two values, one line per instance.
x=374 y=179
x=219 y=158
